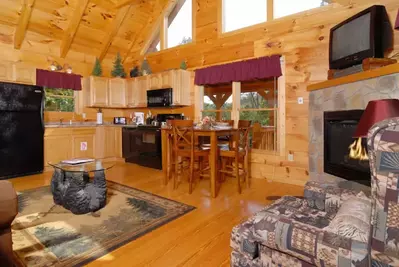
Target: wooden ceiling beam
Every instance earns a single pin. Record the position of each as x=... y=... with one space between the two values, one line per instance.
x=23 y=23
x=73 y=27
x=112 y=31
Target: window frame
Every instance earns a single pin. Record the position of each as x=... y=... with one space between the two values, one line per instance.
x=269 y=17
x=74 y=97
x=160 y=31
x=236 y=109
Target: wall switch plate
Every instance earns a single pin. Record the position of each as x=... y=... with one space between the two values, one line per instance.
x=290 y=157
x=84 y=115
x=300 y=100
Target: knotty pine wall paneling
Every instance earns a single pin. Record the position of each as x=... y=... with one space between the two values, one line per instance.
x=303 y=40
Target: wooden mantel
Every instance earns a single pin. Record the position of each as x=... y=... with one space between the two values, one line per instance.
x=370 y=74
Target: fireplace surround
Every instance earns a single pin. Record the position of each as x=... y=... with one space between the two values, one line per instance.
x=339 y=127
x=344 y=97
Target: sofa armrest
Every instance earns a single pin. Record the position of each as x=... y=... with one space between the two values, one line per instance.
x=242 y=240
x=326 y=197
x=8 y=204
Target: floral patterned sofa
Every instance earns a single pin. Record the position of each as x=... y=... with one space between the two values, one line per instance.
x=330 y=226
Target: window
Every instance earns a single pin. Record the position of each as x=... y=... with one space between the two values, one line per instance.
x=180 y=24
x=288 y=7
x=177 y=25
x=218 y=102
x=238 y=14
x=258 y=103
x=59 y=100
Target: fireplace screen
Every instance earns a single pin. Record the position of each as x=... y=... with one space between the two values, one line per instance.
x=345 y=156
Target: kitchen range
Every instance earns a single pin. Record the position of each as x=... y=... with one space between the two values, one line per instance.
x=142 y=145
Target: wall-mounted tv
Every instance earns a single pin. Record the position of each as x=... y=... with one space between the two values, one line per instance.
x=368 y=34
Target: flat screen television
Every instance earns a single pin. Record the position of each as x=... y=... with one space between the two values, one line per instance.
x=368 y=34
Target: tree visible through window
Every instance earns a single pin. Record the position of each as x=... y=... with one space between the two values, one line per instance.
x=59 y=100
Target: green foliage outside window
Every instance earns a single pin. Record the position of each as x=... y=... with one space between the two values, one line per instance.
x=59 y=100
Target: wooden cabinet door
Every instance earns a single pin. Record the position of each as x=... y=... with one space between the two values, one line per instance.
x=131 y=93
x=99 y=91
x=167 y=79
x=83 y=146
x=117 y=142
x=181 y=84
x=117 y=92
x=155 y=81
x=6 y=71
x=23 y=73
x=141 y=87
x=57 y=148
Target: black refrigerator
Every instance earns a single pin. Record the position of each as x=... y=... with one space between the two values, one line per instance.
x=21 y=130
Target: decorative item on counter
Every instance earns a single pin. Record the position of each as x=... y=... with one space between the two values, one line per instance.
x=118 y=70
x=145 y=67
x=205 y=123
x=99 y=116
x=183 y=65
x=135 y=72
x=97 y=69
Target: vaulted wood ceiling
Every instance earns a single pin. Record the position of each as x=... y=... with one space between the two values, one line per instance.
x=98 y=28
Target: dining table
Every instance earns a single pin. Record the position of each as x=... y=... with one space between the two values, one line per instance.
x=213 y=134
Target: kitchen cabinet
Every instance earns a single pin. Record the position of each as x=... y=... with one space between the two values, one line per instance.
x=117 y=92
x=17 y=72
x=6 y=71
x=69 y=142
x=109 y=142
x=24 y=73
x=99 y=91
x=137 y=92
x=181 y=84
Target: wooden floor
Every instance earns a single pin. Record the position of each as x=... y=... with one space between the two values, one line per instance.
x=201 y=237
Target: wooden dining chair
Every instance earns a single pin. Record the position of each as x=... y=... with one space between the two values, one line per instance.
x=185 y=147
x=236 y=154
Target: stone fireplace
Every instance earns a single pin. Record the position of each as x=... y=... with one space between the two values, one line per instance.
x=333 y=116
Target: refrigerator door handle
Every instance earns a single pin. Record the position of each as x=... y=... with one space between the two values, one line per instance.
x=42 y=110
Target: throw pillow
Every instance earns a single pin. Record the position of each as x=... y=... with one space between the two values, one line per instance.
x=353 y=219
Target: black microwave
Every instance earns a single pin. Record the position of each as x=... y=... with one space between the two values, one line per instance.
x=160 y=98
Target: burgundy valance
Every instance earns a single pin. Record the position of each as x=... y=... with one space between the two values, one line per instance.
x=397 y=21
x=53 y=79
x=248 y=70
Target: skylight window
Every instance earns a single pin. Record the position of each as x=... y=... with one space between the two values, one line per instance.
x=180 y=24
x=284 y=8
x=238 y=14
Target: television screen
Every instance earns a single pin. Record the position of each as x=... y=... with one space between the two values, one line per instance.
x=352 y=37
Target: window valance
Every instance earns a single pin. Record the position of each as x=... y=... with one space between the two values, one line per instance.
x=248 y=70
x=53 y=79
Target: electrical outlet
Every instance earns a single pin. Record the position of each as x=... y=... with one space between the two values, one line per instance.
x=300 y=100
x=84 y=115
x=290 y=157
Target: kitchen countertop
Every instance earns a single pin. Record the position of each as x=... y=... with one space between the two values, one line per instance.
x=86 y=124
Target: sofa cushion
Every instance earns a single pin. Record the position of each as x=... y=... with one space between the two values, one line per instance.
x=353 y=219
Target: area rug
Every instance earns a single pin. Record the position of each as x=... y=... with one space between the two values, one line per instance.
x=48 y=235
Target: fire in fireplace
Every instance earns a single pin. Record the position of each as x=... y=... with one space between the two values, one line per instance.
x=345 y=156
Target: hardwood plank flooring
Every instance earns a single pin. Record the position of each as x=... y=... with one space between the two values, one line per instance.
x=200 y=238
